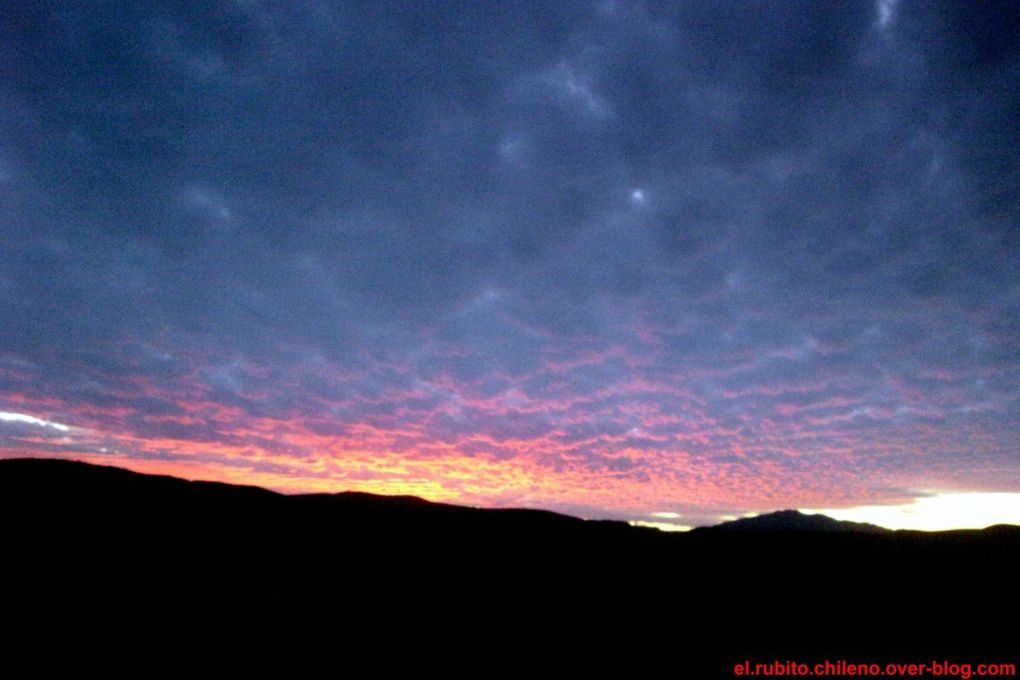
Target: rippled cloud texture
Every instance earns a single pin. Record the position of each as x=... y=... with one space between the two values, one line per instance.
x=635 y=260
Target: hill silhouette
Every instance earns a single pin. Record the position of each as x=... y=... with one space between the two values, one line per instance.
x=83 y=537
x=795 y=520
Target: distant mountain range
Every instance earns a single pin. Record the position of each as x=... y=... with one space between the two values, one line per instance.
x=87 y=538
x=794 y=520
x=106 y=484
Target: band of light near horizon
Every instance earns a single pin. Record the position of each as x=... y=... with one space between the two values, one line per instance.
x=669 y=263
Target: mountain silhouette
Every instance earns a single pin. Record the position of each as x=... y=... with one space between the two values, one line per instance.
x=795 y=520
x=84 y=538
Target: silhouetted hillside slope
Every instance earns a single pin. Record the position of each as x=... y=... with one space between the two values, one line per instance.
x=794 y=520
x=99 y=537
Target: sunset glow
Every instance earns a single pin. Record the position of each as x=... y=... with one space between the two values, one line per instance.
x=938 y=512
x=666 y=263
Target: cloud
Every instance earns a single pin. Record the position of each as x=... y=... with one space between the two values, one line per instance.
x=31 y=420
x=569 y=256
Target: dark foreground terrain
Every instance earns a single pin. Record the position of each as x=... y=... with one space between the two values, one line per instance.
x=443 y=587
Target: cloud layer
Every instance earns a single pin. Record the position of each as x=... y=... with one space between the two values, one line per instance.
x=613 y=258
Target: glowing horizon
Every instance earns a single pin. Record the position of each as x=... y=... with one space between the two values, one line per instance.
x=936 y=512
x=926 y=512
x=932 y=512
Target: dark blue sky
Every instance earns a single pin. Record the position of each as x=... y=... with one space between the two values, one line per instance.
x=615 y=258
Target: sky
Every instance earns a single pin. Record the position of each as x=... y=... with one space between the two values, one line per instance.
x=668 y=262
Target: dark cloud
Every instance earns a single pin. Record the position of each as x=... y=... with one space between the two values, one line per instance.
x=696 y=244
